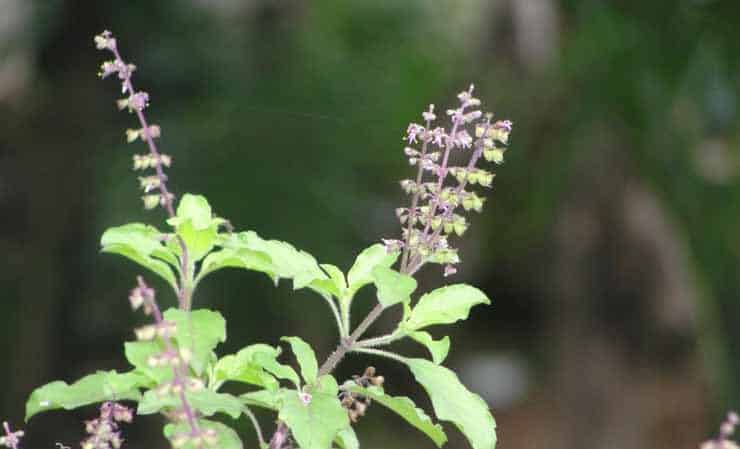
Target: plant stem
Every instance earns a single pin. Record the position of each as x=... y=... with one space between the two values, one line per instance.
x=247 y=411
x=335 y=312
x=378 y=341
x=381 y=353
x=347 y=344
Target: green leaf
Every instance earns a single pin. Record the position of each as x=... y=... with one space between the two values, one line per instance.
x=361 y=272
x=199 y=331
x=194 y=208
x=406 y=409
x=138 y=353
x=269 y=362
x=453 y=402
x=234 y=258
x=198 y=242
x=262 y=398
x=444 y=306
x=393 y=287
x=98 y=387
x=207 y=402
x=142 y=244
x=347 y=439
x=195 y=224
x=242 y=367
x=306 y=358
x=336 y=284
x=287 y=261
x=227 y=437
x=438 y=348
x=316 y=424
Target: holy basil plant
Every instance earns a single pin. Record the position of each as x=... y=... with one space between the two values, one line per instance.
x=176 y=367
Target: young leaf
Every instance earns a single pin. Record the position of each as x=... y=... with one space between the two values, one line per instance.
x=262 y=398
x=241 y=367
x=207 y=402
x=142 y=244
x=98 y=387
x=194 y=208
x=138 y=353
x=406 y=409
x=315 y=424
x=195 y=224
x=393 y=287
x=444 y=306
x=226 y=437
x=306 y=358
x=361 y=272
x=437 y=348
x=198 y=331
x=453 y=402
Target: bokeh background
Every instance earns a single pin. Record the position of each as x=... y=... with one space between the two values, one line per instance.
x=609 y=243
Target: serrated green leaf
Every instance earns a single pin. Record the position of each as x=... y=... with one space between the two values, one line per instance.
x=393 y=287
x=361 y=272
x=287 y=261
x=207 y=402
x=199 y=331
x=227 y=437
x=98 y=387
x=406 y=409
x=306 y=358
x=437 y=348
x=262 y=398
x=455 y=403
x=347 y=439
x=241 y=367
x=142 y=244
x=316 y=424
x=444 y=306
x=138 y=353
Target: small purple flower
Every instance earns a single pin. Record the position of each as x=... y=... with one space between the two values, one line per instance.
x=138 y=101
x=413 y=131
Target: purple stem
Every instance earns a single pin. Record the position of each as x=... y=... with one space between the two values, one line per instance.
x=128 y=86
x=179 y=374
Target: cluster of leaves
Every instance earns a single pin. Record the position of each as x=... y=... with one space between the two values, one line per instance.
x=306 y=400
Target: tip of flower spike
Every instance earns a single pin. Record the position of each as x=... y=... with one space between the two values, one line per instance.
x=105 y=41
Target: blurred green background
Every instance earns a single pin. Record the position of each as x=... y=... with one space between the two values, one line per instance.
x=609 y=243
